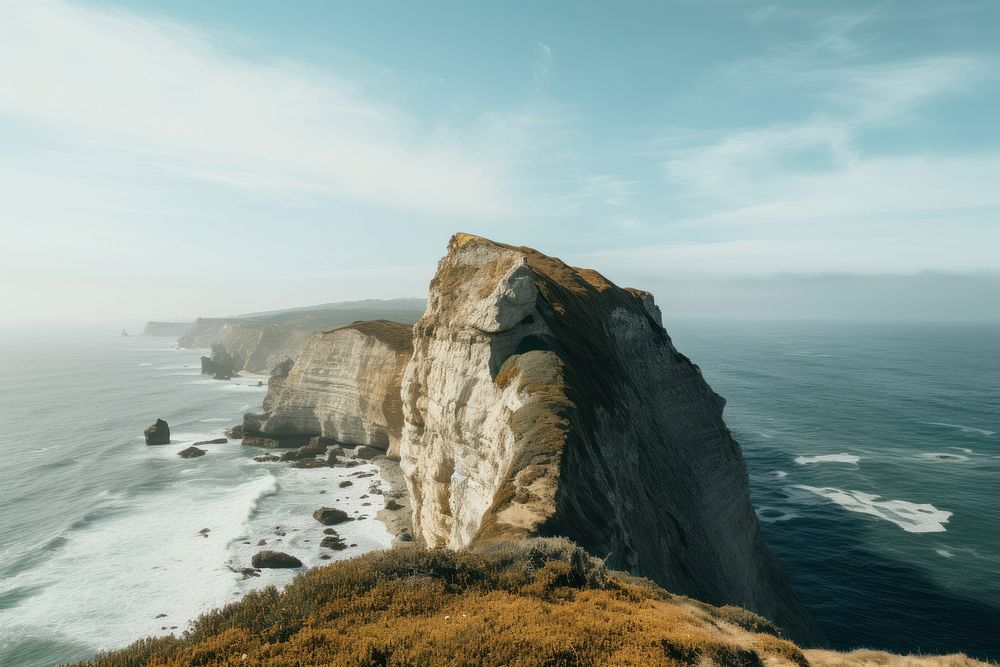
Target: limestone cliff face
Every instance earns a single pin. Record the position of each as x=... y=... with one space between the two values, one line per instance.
x=345 y=385
x=254 y=347
x=542 y=399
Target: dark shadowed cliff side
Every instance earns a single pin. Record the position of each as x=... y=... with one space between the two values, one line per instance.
x=544 y=400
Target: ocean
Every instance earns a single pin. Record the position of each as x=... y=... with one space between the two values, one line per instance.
x=873 y=453
x=101 y=534
x=874 y=459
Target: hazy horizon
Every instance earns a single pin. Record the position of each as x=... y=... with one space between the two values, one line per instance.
x=741 y=160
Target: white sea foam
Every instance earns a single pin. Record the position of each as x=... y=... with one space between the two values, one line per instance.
x=113 y=578
x=217 y=419
x=964 y=429
x=827 y=458
x=911 y=517
x=944 y=553
x=780 y=474
x=147 y=364
x=769 y=514
x=964 y=450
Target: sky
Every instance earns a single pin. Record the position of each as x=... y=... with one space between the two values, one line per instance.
x=787 y=160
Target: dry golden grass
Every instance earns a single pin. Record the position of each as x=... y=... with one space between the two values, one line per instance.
x=533 y=602
x=867 y=658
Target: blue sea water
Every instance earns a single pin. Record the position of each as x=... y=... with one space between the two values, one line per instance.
x=100 y=534
x=874 y=459
x=873 y=453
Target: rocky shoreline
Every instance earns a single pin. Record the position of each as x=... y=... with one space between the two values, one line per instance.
x=318 y=452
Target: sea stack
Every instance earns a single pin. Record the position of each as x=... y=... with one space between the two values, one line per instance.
x=158 y=433
x=543 y=400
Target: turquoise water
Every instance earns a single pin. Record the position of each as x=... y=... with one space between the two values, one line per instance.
x=873 y=452
x=874 y=460
x=100 y=533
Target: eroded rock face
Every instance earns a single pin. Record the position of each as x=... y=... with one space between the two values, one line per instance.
x=542 y=399
x=253 y=347
x=343 y=386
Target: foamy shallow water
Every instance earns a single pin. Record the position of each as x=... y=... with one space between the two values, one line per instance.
x=108 y=531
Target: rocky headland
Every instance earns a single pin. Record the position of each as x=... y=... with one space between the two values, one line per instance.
x=165 y=329
x=537 y=399
x=257 y=342
x=543 y=400
x=538 y=424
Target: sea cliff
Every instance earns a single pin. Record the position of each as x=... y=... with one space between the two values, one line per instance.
x=544 y=400
x=343 y=385
x=258 y=341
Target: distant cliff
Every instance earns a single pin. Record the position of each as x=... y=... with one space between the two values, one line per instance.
x=259 y=341
x=542 y=399
x=170 y=329
x=344 y=385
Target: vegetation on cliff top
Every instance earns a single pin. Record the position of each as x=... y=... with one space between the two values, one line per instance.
x=533 y=602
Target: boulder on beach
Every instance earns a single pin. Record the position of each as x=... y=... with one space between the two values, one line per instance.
x=191 y=452
x=235 y=432
x=213 y=441
x=329 y=516
x=310 y=463
x=158 y=433
x=266 y=458
x=366 y=452
x=274 y=559
x=308 y=451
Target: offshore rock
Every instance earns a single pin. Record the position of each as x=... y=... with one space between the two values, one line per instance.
x=344 y=386
x=158 y=433
x=221 y=364
x=543 y=400
x=274 y=559
x=330 y=516
x=191 y=453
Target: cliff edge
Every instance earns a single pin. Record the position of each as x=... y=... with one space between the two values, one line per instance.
x=543 y=400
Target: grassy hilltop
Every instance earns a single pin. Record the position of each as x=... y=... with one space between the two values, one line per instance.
x=532 y=602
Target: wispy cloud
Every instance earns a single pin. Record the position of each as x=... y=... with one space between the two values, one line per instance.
x=543 y=62
x=163 y=93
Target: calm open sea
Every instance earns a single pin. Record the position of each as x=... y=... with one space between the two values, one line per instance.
x=873 y=452
x=874 y=460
